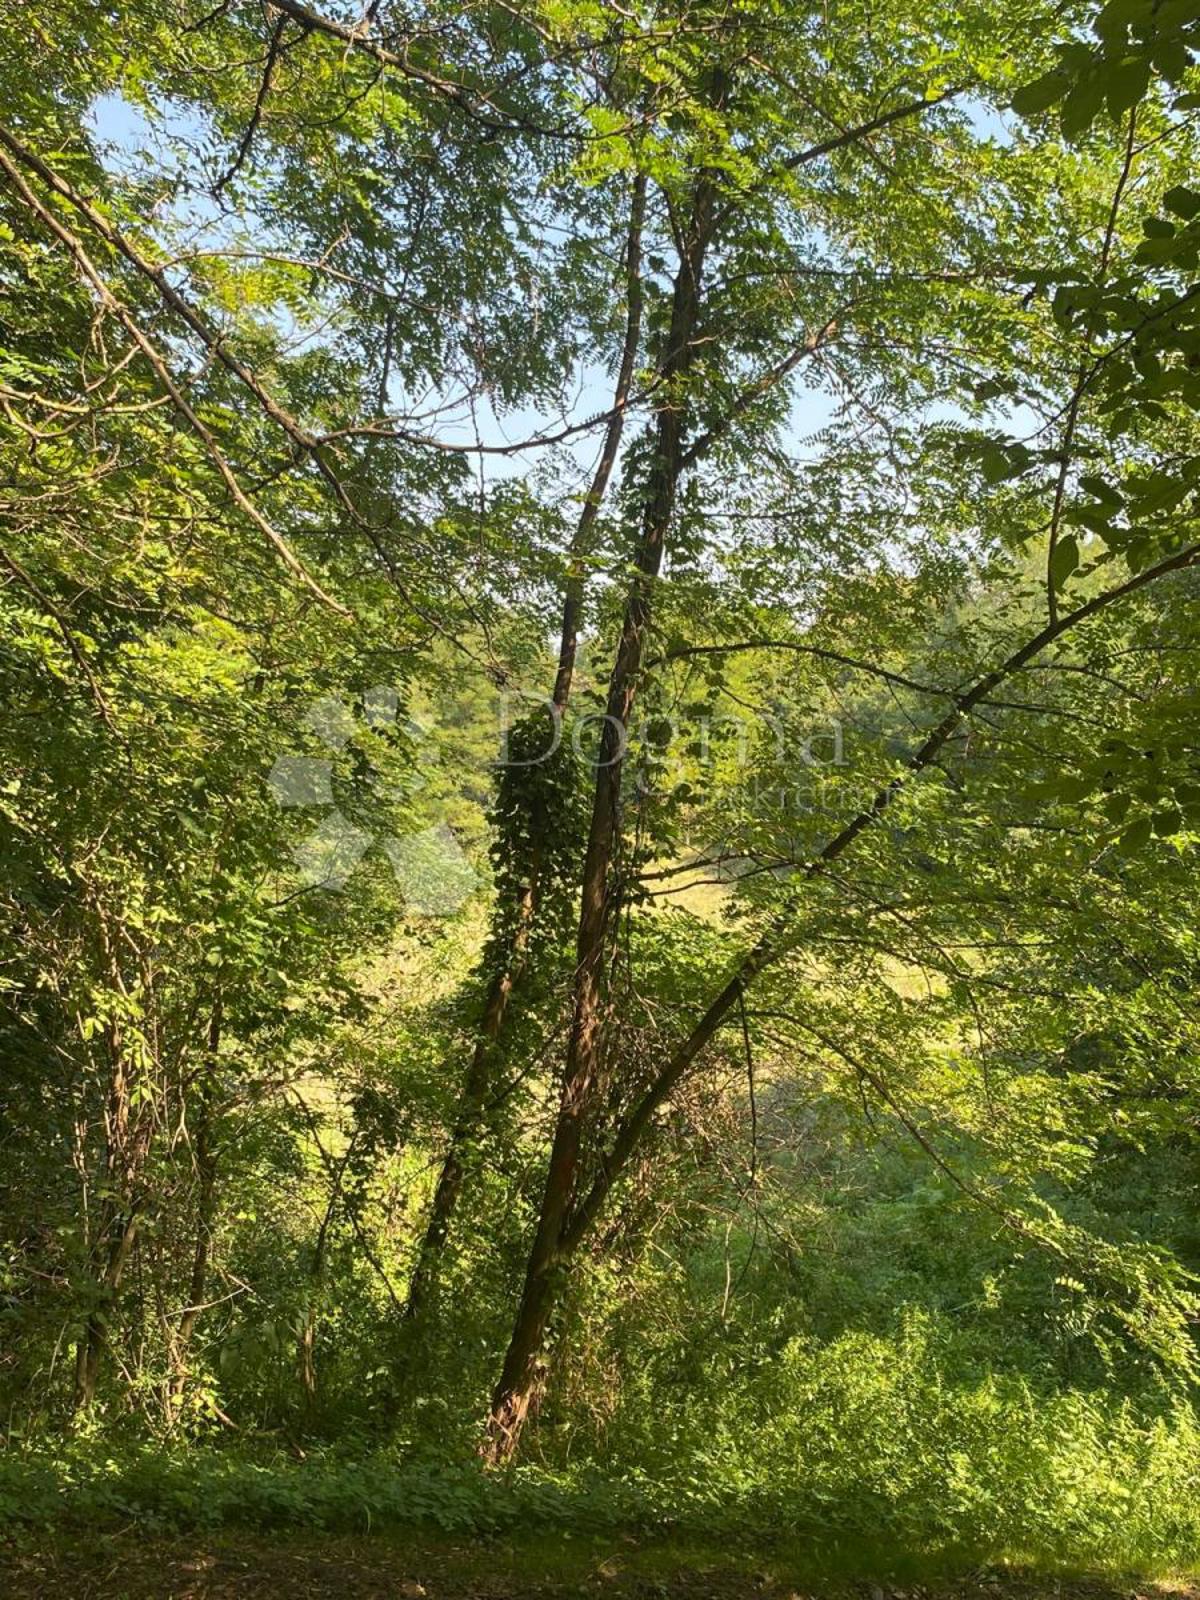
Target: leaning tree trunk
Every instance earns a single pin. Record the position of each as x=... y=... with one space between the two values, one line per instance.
x=119 y=1230
x=569 y=1215
x=472 y=1110
x=205 y=1157
x=551 y=1252
x=306 y=1344
x=126 y=1139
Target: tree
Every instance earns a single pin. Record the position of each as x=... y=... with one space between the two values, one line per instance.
x=805 y=440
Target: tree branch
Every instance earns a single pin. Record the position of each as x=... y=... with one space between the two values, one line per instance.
x=778 y=940
x=180 y=401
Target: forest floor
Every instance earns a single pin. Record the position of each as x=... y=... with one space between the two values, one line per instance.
x=130 y=1566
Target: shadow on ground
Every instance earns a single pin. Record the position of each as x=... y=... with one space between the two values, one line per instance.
x=128 y=1566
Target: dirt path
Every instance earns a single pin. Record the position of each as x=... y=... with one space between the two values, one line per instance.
x=131 y=1567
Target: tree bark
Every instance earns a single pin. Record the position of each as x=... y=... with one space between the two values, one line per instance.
x=567 y=1220
x=125 y=1144
x=206 y=1204
x=306 y=1349
x=472 y=1108
x=549 y=1256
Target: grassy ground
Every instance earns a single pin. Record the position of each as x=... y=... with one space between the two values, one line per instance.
x=128 y=1566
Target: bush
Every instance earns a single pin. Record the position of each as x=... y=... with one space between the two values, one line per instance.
x=863 y=1442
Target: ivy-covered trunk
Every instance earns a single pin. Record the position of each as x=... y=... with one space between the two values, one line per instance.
x=549 y=1261
x=513 y=924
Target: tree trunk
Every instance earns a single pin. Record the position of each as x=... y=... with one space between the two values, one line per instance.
x=477 y=1084
x=307 y=1343
x=121 y=1232
x=549 y=1258
x=206 y=1205
x=125 y=1145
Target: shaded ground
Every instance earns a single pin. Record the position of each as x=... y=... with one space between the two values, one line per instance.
x=129 y=1566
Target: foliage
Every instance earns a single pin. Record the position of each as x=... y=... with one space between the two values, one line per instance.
x=598 y=779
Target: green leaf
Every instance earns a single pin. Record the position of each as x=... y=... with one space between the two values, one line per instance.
x=1167 y=822
x=1101 y=489
x=1171 y=59
x=1064 y=561
x=1096 y=519
x=1125 y=84
x=995 y=464
x=1184 y=202
x=1038 y=96
x=1135 y=837
x=1082 y=106
x=1114 y=18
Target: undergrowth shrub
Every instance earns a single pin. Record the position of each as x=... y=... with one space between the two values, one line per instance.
x=862 y=1442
